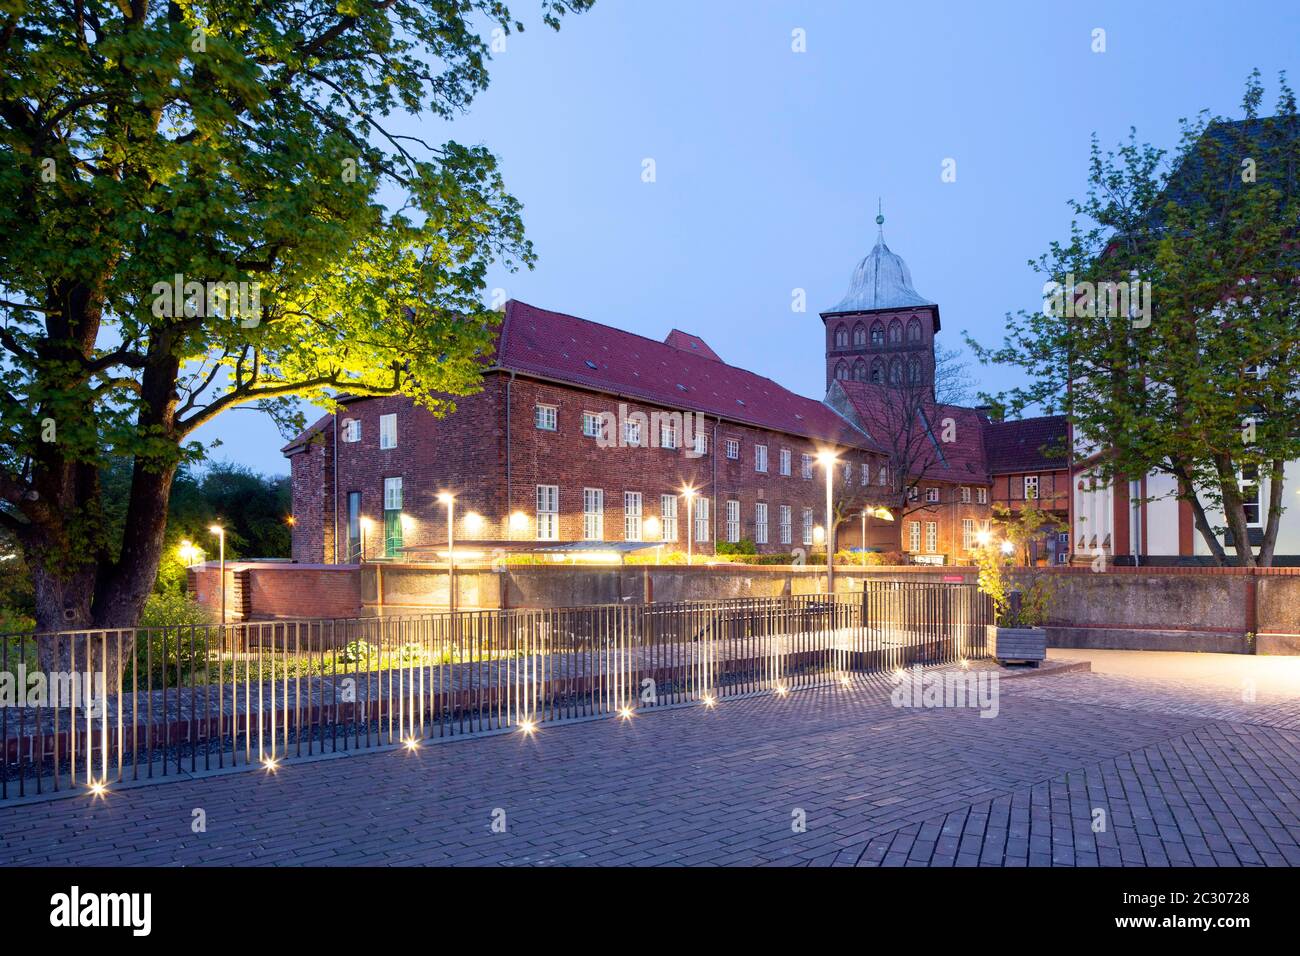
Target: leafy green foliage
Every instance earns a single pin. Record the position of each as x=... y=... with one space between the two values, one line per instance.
x=743 y=546
x=1201 y=387
x=225 y=143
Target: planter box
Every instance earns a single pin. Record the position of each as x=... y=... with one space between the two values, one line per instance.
x=1017 y=643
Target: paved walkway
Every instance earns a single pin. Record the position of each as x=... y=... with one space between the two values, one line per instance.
x=1076 y=769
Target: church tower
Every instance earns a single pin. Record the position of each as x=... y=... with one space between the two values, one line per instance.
x=882 y=331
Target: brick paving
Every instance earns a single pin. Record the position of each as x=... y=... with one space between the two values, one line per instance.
x=1180 y=772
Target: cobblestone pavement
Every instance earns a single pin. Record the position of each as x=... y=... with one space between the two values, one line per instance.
x=1076 y=769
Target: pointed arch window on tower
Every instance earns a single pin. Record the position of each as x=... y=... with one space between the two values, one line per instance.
x=895 y=332
x=914 y=372
x=877 y=334
x=877 y=372
x=841 y=337
x=859 y=371
x=914 y=329
x=841 y=371
x=859 y=335
x=895 y=372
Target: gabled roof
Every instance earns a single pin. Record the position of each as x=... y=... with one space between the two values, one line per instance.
x=1027 y=444
x=691 y=343
x=301 y=439
x=960 y=460
x=587 y=354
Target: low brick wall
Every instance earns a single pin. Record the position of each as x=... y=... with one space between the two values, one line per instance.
x=1225 y=610
x=273 y=590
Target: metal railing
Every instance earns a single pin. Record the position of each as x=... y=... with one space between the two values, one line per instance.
x=134 y=704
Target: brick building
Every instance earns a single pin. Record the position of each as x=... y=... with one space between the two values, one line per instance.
x=584 y=432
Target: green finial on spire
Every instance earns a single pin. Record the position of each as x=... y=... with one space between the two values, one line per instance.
x=880 y=211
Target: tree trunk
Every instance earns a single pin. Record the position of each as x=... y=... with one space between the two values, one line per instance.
x=1234 y=511
x=1202 y=523
x=1276 y=478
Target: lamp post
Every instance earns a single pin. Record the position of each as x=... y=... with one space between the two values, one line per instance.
x=220 y=532
x=689 y=494
x=448 y=499
x=828 y=461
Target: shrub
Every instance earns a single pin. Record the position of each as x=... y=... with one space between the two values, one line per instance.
x=175 y=609
x=178 y=639
x=743 y=546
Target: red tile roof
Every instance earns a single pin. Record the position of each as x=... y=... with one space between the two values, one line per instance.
x=301 y=438
x=1027 y=444
x=590 y=355
x=691 y=343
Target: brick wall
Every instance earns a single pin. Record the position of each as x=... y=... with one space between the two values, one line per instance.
x=281 y=590
x=467 y=453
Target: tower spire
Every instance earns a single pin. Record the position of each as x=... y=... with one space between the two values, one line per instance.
x=880 y=220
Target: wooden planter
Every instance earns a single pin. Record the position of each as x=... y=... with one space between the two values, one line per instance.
x=1007 y=644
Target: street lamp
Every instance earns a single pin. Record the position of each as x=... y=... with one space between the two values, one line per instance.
x=364 y=524
x=220 y=532
x=448 y=499
x=189 y=552
x=689 y=494
x=828 y=461
x=653 y=531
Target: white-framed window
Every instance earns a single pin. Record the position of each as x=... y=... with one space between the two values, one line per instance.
x=848 y=472
x=760 y=458
x=701 y=520
x=392 y=494
x=733 y=448
x=667 y=434
x=866 y=473
x=593 y=514
x=914 y=536
x=701 y=443
x=932 y=495
x=593 y=425
x=1031 y=486
x=931 y=537
x=965 y=494
x=913 y=493
x=884 y=475
x=967 y=532
x=631 y=516
x=981 y=496
x=1248 y=485
x=785 y=529
x=760 y=523
x=548 y=512
x=668 y=516
x=351 y=430
x=544 y=417
x=805 y=467
x=631 y=433
x=733 y=521
x=784 y=461
x=807 y=526
x=388 y=431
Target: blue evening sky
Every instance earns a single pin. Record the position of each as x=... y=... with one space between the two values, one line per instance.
x=769 y=162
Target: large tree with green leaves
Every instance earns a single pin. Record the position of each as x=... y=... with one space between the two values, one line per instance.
x=249 y=147
x=1196 y=375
